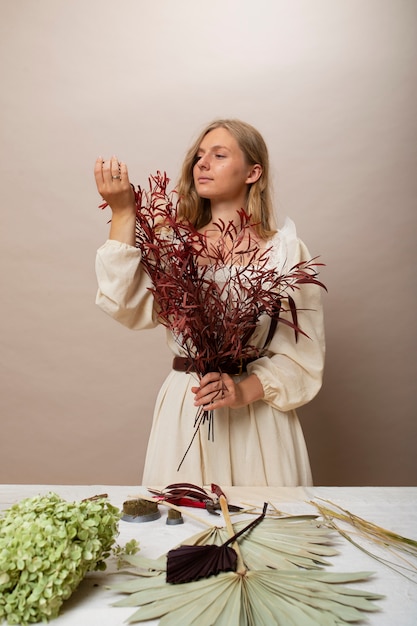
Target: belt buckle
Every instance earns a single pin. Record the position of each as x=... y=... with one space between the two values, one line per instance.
x=240 y=369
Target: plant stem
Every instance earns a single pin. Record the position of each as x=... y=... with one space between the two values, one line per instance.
x=241 y=569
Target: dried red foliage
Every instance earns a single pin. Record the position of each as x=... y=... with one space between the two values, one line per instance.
x=212 y=319
x=211 y=297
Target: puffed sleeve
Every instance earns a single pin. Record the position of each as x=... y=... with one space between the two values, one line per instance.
x=292 y=373
x=123 y=286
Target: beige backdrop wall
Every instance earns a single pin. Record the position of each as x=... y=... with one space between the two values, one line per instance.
x=332 y=86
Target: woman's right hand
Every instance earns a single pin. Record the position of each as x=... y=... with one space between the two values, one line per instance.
x=114 y=186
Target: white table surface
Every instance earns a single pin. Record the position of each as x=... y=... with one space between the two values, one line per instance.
x=394 y=508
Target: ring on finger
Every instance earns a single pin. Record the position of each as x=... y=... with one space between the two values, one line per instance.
x=118 y=177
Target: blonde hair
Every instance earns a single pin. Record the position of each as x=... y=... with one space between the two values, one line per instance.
x=259 y=202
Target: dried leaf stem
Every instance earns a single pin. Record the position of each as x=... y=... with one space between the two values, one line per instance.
x=390 y=541
x=241 y=569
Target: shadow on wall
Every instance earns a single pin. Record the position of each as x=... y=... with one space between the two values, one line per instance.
x=358 y=430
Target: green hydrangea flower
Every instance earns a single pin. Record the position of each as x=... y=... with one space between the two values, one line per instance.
x=47 y=546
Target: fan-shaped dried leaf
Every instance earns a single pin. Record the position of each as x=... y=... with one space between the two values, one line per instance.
x=257 y=598
x=283 y=543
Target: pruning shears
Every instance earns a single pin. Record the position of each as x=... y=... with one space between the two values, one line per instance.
x=187 y=494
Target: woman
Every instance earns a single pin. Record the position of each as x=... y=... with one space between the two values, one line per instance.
x=258 y=438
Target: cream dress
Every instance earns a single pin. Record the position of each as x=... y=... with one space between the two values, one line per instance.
x=260 y=444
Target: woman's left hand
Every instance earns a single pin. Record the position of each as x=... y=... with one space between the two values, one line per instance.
x=219 y=390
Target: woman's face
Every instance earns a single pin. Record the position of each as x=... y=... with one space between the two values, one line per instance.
x=221 y=173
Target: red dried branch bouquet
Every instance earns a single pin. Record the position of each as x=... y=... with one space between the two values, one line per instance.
x=211 y=296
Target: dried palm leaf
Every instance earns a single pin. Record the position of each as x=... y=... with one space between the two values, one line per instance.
x=284 y=543
x=264 y=597
x=252 y=598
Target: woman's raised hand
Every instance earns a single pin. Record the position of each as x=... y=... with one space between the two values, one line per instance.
x=114 y=186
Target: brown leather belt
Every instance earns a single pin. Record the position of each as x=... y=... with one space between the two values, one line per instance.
x=184 y=364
